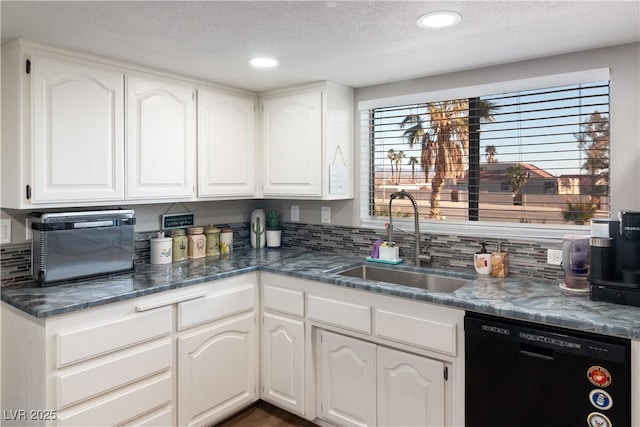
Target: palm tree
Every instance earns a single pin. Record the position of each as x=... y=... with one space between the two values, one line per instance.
x=594 y=140
x=445 y=144
x=391 y=155
x=413 y=161
x=490 y=151
x=398 y=160
x=518 y=177
x=416 y=134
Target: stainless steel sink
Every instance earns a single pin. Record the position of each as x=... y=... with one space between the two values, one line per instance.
x=428 y=281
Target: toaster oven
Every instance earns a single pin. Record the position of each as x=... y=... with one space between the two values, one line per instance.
x=73 y=245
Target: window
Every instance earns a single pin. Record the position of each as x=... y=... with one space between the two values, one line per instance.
x=538 y=156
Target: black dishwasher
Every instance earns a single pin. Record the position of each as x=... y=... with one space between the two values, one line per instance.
x=520 y=374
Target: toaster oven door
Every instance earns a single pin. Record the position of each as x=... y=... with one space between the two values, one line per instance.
x=85 y=251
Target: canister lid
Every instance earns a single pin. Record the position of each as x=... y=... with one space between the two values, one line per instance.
x=211 y=229
x=195 y=230
x=177 y=232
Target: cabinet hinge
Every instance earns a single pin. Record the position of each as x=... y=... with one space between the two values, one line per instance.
x=28 y=66
x=28 y=192
x=446 y=373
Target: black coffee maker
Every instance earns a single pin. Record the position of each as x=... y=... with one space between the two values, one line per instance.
x=615 y=262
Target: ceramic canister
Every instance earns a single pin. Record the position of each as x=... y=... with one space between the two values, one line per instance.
x=212 y=234
x=197 y=242
x=226 y=240
x=161 y=248
x=180 y=245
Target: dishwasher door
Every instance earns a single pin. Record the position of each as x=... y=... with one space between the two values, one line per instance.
x=520 y=374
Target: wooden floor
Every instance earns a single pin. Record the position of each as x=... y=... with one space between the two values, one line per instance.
x=262 y=414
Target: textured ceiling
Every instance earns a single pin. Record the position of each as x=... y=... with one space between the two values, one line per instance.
x=355 y=43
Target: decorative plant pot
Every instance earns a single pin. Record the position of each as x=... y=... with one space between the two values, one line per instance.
x=274 y=238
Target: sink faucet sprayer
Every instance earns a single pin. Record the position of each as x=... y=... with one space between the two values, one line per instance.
x=420 y=257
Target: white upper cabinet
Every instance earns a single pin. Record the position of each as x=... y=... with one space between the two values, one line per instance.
x=226 y=145
x=62 y=131
x=80 y=130
x=78 y=136
x=307 y=141
x=161 y=139
x=292 y=142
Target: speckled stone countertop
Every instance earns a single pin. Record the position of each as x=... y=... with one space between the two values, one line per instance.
x=517 y=298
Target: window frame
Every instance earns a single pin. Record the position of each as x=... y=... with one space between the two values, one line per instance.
x=486 y=229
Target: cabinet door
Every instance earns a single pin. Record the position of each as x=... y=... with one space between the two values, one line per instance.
x=78 y=133
x=161 y=144
x=226 y=141
x=348 y=380
x=217 y=370
x=283 y=362
x=292 y=144
x=410 y=390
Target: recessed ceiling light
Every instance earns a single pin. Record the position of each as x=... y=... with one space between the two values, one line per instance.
x=263 y=62
x=439 y=19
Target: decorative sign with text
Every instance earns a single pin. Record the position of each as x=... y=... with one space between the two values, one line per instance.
x=178 y=220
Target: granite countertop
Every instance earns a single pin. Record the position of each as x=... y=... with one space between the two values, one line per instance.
x=535 y=300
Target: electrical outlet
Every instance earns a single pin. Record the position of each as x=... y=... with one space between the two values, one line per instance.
x=554 y=256
x=295 y=213
x=5 y=231
x=326 y=215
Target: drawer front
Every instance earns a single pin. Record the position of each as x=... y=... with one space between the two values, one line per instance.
x=112 y=372
x=428 y=334
x=74 y=346
x=340 y=313
x=122 y=405
x=216 y=306
x=283 y=300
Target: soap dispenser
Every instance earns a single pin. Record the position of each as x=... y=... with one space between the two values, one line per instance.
x=482 y=260
x=500 y=262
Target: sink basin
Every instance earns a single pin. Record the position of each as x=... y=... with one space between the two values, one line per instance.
x=428 y=281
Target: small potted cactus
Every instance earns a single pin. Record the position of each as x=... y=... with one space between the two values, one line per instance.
x=274 y=231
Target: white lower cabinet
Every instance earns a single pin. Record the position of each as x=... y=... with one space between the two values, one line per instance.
x=410 y=389
x=367 y=359
x=182 y=357
x=348 y=380
x=217 y=370
x=364 y=384
x=283 y=362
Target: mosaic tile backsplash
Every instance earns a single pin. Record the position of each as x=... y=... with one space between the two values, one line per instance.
x=526 y=258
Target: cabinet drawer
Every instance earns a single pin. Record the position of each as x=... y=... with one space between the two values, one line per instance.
x=413 y=330
x=111 y=373
x=102 y=338
x=283 y=300
x=122 y=405
x=216 y=306
x=340 y=313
